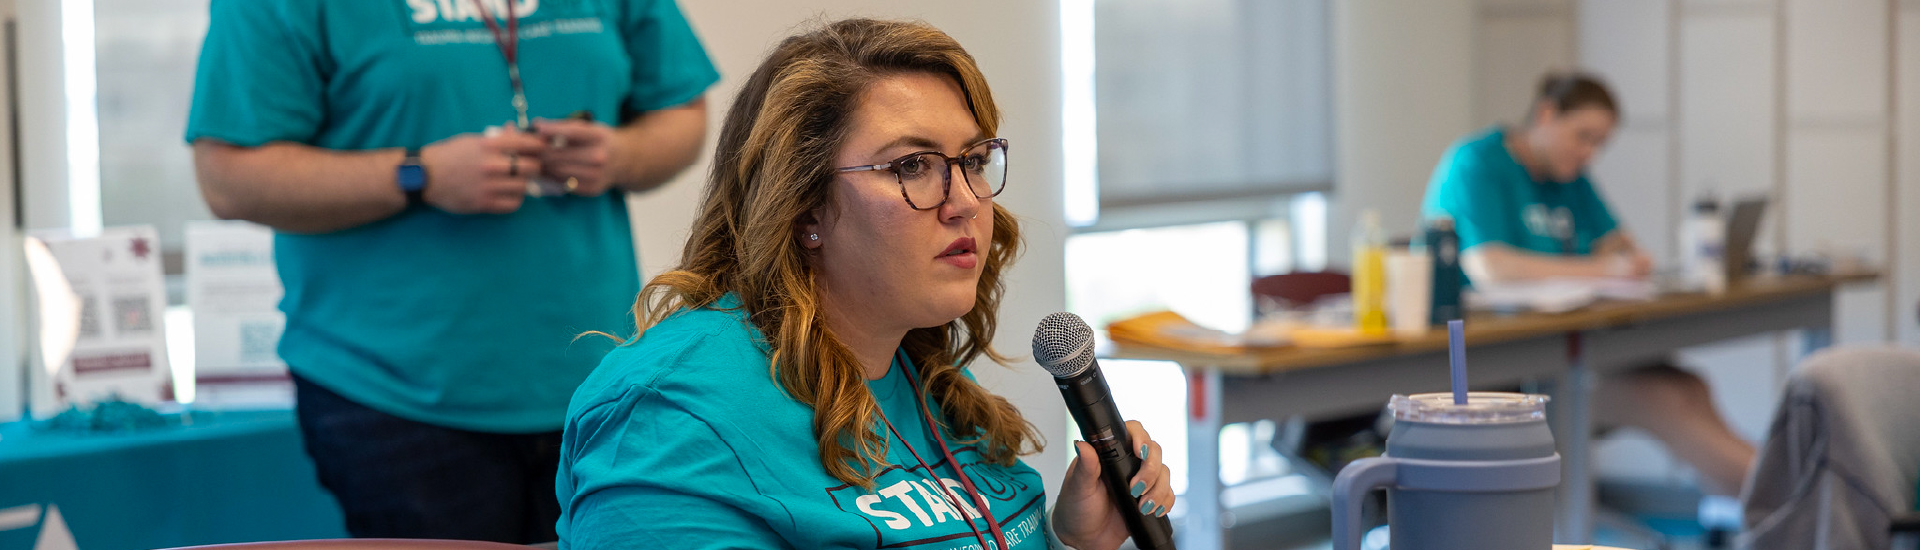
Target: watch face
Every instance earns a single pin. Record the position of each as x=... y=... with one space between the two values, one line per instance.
x=413 y=177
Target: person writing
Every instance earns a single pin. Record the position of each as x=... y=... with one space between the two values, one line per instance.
x=1524 y=209
x=800 y=380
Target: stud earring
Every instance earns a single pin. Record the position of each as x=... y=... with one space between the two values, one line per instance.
x=813 y=237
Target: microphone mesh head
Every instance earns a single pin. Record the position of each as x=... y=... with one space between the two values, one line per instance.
x=1063 y=344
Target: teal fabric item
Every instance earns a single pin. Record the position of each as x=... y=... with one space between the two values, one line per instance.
x=1492 y=199
x=683 y=439
x=214 y=478
x=464 y=321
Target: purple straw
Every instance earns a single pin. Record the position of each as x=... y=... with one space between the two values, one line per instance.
x=1457 y=344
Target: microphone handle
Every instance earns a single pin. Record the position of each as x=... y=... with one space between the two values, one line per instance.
x=1091 y=403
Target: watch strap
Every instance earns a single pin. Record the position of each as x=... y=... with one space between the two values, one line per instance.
x=417 y=196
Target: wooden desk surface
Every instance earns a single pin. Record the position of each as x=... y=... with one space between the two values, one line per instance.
x=1484 y=329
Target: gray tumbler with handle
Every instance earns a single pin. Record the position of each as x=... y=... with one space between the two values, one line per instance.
x=1474 y=476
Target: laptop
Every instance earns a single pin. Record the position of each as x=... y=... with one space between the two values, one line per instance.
x=1743 y=227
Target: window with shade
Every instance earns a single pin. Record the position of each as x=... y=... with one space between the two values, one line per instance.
x=1211 y=100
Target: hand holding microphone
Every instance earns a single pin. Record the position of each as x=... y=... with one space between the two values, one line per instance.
x=1117 y=487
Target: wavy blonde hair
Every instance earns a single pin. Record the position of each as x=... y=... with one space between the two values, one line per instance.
x=774 y=165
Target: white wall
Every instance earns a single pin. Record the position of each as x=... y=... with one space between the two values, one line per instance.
x=1018 y=49
x=1906 y=191
x=1403 y=91
x=1515 y=42
x=43 y=159
x=1837 y=182
x=1627 y=42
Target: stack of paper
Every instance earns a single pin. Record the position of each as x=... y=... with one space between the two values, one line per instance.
x=1557 y=295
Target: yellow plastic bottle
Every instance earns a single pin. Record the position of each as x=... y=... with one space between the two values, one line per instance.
x=1370 y=275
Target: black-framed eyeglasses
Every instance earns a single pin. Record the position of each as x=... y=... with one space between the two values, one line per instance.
x=926 y=177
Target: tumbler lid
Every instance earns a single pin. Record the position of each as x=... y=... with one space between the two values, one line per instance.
x=1480 y=408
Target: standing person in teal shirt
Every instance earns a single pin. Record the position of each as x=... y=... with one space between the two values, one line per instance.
x=800 y=380
x=445 y=224
x=1525 y=210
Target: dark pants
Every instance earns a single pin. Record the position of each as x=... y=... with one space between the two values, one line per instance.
x=397 y=478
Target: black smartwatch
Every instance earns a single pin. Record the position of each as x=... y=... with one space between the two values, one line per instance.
x=412 y=177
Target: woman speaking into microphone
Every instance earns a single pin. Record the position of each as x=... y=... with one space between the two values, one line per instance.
x=799 y=380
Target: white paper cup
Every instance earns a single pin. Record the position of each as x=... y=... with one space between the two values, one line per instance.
x=1409 y=291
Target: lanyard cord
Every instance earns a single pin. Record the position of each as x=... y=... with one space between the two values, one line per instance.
x=906 y=367
x=945 y=494
x=508 y=40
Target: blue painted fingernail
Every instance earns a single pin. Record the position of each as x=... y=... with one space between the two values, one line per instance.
x=1143 y=451
x=1139 y=488
x=1162 y=512
x=1146 y=507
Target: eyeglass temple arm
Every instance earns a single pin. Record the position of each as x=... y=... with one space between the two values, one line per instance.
x=867 y=167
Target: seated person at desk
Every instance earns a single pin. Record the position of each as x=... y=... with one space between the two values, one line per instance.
x=1524 y=209
x=801 y=378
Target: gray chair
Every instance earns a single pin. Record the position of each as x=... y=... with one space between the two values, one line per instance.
x=1839 y=466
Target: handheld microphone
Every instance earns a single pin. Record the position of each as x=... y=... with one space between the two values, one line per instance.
x=1063 y=344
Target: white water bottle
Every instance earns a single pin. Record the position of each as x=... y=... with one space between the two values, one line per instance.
x=1704 y=238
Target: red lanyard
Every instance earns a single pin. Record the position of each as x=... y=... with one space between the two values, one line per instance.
x=508 y=40
x=980 y=502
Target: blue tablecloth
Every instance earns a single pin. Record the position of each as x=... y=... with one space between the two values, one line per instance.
x=220 y=478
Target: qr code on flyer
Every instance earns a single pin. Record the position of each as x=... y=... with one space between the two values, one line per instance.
x=132 y=314
x=258 y=340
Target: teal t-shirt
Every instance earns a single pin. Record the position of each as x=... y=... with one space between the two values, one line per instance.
x=1492 y=199
x=464 y=321
x=682 y=439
